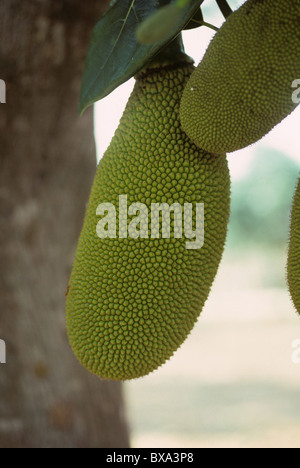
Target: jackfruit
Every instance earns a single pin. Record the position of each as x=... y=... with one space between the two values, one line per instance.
x=135 y=293
x=294 y=251
x=243 y=86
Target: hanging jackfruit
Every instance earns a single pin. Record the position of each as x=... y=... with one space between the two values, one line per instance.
x=294 y=251
x=138 y=285
x=243 y=86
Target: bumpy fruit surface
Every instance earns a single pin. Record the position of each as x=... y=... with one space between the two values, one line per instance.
x=133 y=301
x=294 y=251
x=243 y=87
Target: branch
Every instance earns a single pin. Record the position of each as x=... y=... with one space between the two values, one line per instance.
x=224 y=7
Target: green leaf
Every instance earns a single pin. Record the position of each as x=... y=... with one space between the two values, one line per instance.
x=159 y=25
x=114 y=54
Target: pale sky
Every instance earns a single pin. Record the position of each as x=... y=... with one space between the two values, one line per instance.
x=285 y=137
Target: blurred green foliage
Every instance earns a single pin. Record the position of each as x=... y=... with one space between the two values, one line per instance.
x=261 y=202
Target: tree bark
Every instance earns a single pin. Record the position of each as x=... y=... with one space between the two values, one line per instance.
x=47 y=163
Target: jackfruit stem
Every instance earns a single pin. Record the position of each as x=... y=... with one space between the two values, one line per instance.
x=172 y=53
x=208 y=25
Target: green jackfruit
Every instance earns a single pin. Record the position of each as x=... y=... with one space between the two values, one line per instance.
x=294 y=252
x=243 y=87
x=134 y=297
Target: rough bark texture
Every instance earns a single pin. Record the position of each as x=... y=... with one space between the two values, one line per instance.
x=47 y=163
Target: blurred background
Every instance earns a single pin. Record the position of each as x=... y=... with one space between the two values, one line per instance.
x=233 y=383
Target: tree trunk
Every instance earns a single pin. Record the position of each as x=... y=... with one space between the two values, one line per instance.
x=47 y=163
